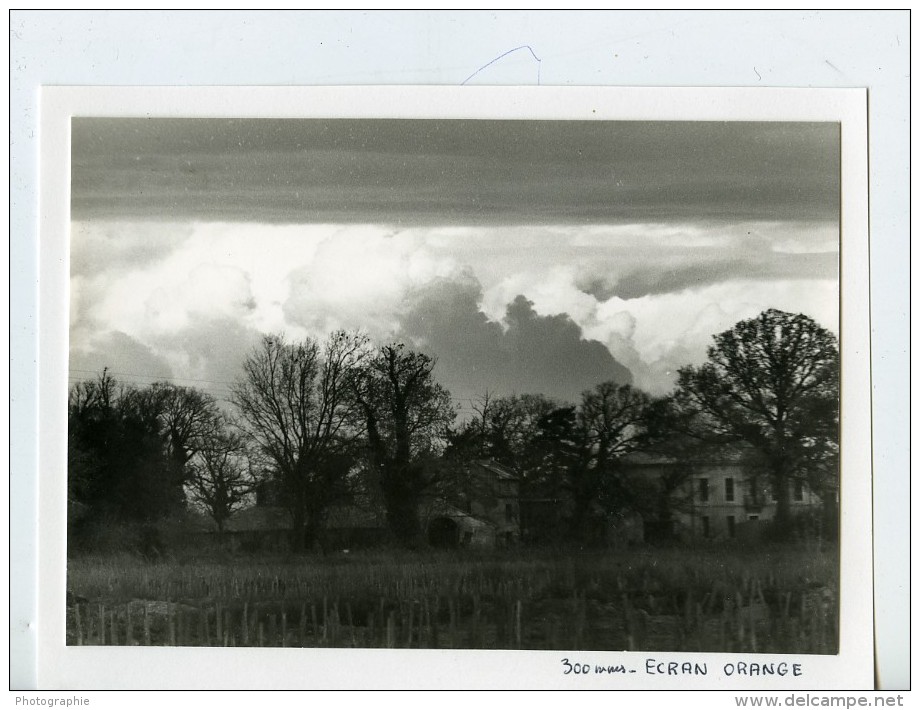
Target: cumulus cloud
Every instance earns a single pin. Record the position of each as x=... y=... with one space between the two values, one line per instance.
x=525 y=352
x=105 y=252
x=675 y=329
x=104 y=246
x=528 y=255
x=123 y=355
x=211 y=351
x=215 y=270
x=551 y=308
x=207 y=354
x=191 y=311
x=359 y=278
x=166 y=300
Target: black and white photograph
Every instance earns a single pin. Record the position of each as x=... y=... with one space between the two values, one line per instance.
x=454 y=384
x=457 y=384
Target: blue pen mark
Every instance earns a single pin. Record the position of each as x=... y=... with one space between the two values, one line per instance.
x=505 y=54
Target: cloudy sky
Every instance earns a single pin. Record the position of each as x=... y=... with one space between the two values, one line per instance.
x=527 y=256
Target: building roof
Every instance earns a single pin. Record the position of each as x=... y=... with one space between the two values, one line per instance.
x=643 y=458
x=503 y=473
x=446 y=510
x=727 y=456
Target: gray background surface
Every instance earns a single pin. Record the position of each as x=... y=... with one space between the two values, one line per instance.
x=621 y=48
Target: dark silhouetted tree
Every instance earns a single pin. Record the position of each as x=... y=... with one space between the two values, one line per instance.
x=295 y=402
x=771 y=382
x=611 y=422
x=503 y=429
x=406 y=415
x=121 y=465
x=221 y=479
x=567 y=457
x=555 y=457
x=188 y=420
x=678 y=446
x=92 y=424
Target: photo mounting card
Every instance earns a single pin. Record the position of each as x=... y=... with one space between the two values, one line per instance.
x=544 y=254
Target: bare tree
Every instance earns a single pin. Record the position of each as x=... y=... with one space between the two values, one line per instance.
x=507 y=427
x=613 y=417
x=406 y=415
x=295 y=403
x=221 y=478
x=189 y=419
x=611 y=422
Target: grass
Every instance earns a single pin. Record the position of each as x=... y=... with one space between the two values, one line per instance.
x=772 y=600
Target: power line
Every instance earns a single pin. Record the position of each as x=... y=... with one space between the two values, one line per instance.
x=140 y=380
x=155 y=378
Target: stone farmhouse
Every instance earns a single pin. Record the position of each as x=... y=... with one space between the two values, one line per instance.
x=484 y=512
x=716 y=500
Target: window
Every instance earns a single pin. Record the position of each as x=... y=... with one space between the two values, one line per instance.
x=730 y=522
x=509 y=512
x=705 y=521
x=753 y=516
x=261 y=493
x=703 y=489
x=729 y=489
x=798 y=492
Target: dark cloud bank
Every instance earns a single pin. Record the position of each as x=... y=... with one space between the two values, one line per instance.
x=678 y=273
x=212 y=349
x=524 y=353
x=122 y=355
x=452 y=171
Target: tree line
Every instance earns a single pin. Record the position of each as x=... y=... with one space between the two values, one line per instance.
x=344 y=420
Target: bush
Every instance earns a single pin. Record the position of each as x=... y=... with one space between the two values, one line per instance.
x=151 y=540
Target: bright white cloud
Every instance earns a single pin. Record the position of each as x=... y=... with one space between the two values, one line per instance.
x=552 y=290
x=360 y=276
x=675 y=329
x=218 y=270
x=167 y=296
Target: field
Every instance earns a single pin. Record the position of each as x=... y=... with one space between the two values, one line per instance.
x=769 y=600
